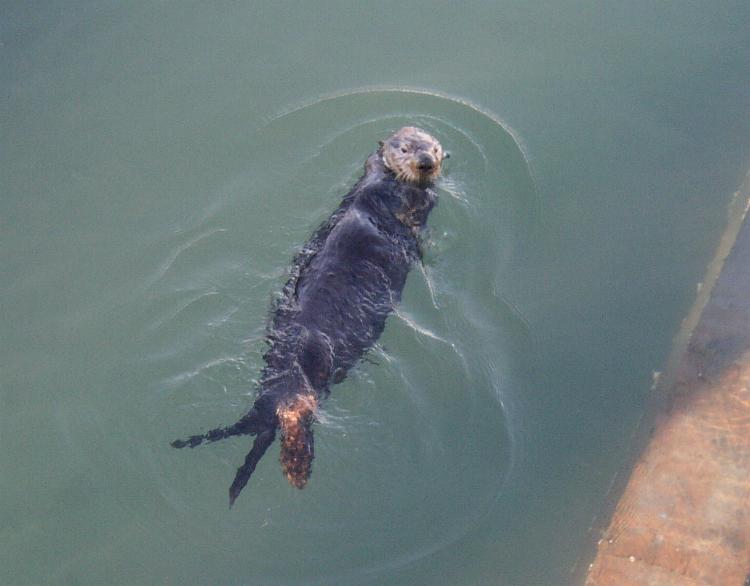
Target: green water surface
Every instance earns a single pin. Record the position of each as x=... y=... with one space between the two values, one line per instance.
x=160 y=164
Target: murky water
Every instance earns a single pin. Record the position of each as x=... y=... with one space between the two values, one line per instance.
x=160 y=165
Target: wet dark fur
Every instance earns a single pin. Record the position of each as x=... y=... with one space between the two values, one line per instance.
x=343 y=285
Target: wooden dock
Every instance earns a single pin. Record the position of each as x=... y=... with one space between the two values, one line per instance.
x=684 y=516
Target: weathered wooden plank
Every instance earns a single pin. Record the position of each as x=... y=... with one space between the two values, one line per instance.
x=684 y=516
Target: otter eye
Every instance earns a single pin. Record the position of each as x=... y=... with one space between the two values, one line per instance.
x=404 y=149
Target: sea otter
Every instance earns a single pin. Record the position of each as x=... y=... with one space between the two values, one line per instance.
x=344 y=283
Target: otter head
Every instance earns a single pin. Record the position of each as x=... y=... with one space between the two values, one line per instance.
x=413 y=155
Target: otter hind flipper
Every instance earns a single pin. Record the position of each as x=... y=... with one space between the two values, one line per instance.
x=249 y=424
x=260 y=445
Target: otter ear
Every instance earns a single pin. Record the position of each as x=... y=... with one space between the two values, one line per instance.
x=446 y=155
x=380 y=143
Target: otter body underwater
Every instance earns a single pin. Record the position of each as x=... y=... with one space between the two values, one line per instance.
x=343 y=285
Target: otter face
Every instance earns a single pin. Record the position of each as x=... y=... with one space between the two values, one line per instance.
x=413 y=155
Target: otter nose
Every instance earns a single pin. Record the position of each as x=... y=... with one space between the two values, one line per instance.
x=425 y=163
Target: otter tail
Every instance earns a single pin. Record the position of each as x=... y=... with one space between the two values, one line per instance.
x=296 y=417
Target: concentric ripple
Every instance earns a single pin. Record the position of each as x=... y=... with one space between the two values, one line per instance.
x=422 y=434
